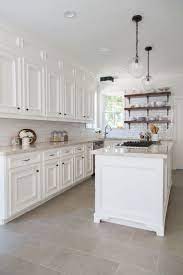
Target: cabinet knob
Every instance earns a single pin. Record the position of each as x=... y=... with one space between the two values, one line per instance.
x=59 y=113
x=27 y=109
x=63 y=163
x=18 y=108
x=65 y=114
x=83 y=157
x=57 y=165
x=37 y=171
x=84 y=116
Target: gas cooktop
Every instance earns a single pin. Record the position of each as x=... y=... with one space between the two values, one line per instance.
x=135 y=144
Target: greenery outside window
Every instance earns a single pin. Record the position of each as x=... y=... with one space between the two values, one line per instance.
x=113 y=111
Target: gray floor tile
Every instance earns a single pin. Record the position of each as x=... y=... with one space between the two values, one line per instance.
x=71 y=262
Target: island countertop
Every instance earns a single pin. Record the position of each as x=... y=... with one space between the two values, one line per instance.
x=153 y=151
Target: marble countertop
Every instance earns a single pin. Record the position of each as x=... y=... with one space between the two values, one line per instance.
x=42 y=146
x=153 y=151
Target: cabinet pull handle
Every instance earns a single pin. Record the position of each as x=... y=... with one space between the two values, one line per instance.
x=26 y=159
x=57 y=165
x=51 y=155
x=37 y=171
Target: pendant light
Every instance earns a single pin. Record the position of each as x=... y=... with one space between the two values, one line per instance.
x=147 y=81
x=135 y=67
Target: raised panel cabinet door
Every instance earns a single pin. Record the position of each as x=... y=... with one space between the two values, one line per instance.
x=90 y=87
x=69 y=92
x=79 y=168
x=51 y=177
x=67 y=171
x=88 y=164
x=24 y=187
x=53 y=95
x=80 y=95
x=33 y=87
x=10 y=96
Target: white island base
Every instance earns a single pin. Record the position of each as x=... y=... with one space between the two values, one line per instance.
x=133 y=191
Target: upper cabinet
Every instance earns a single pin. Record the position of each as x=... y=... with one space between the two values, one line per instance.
x=54 y=94
x=37 y=85
x=10 y=97
x=85 y=94
x=69 y=91
x=33 y=86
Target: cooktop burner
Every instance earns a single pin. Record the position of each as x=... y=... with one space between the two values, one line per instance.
x=135 y=144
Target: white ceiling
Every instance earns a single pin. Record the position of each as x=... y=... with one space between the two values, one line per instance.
x=105 y=23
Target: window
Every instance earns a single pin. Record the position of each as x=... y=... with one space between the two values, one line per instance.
x=113 y=111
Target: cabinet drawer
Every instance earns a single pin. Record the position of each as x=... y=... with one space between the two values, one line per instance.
x=79 y=149
x=23 y=160
x=66 y=151
x=51 y=154
x=89 y=147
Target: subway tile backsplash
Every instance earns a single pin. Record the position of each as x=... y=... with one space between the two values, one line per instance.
x=11 y=127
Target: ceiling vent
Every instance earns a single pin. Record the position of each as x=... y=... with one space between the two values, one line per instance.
x=107 y=78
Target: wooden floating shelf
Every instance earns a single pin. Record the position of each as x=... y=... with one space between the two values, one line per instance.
x=147 y=108
x=152 y=94
x=148 y=122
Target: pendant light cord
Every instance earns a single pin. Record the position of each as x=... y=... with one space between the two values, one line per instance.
x=137 y=42
x=148 y=76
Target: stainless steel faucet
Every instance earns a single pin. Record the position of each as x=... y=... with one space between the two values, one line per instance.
x=107 y=129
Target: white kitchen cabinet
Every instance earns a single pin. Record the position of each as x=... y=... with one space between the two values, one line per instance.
x=24 y=188
x=52 y=177
x=69 y=92
x=55 y=91
x=33 y=86
x=79 y=167
x=88 y=160
x=90 y=89
x=67 y=171
x=10 y=97
x=80 y=95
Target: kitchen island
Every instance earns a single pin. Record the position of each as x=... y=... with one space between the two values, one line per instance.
x=132 y=186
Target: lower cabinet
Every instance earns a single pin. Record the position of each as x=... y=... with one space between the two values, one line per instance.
x=67 y=171
x=52 y=179
x=79 y=167
x=32 y=177
x=24 y=188
x=88 y=164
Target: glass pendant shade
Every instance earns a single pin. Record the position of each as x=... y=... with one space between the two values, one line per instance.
x=136 y=68
x=147 y=83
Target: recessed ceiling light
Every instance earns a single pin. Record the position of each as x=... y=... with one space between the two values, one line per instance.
x=104 y=50
x=70 y=14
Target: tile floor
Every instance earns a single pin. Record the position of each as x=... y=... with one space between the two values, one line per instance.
x=61 y=238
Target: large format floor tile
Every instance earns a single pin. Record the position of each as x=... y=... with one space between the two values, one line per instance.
x=60 y=237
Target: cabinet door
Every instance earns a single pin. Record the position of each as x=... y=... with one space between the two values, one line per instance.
x=79 y=167
x=24 y=188
x=90 y=89
x=10 y=97
x=88 y=163
x=53 y=95
x=67 y=171
x=80 y=95
x=33 y=87
x=69 y=92
x=51 y=177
